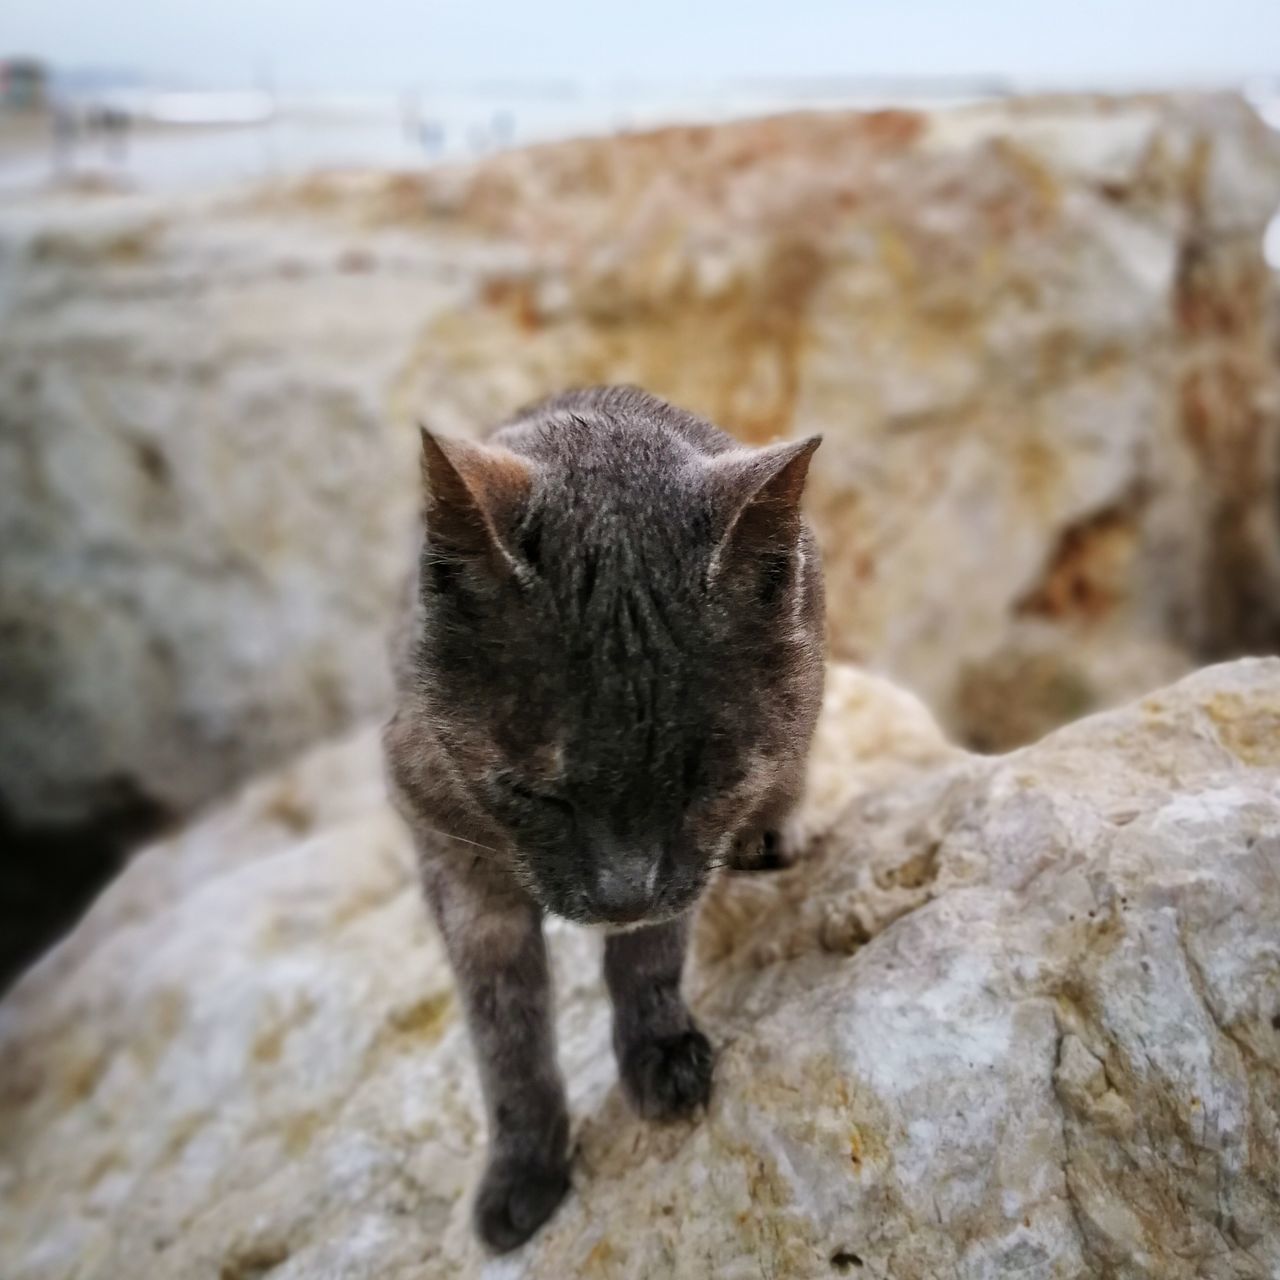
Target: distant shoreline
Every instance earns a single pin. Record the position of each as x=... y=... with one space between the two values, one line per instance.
x=173 y=142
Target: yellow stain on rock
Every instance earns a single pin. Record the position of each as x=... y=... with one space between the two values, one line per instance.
x=418 y=1025
x=600 y=1255
x=855 y=1149
x=286 y=806
x=1249 y=730
x=297 y=1132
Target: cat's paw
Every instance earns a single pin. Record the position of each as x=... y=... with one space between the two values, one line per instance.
x=765 y=851
x=515 y=1198
x=669 y=1076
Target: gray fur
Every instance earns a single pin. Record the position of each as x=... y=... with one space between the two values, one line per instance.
x=608 y=688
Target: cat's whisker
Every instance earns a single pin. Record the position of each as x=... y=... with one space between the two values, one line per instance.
x=475 y=844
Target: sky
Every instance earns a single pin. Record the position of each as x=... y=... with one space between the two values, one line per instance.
x=396 y=44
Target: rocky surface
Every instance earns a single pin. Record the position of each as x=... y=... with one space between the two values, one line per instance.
x=1014 y=1015
x=1034 y=334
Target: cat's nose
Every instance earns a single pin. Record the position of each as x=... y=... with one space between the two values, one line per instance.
x=623 y=889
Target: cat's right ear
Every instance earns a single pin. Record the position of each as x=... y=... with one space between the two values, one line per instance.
x=474 y=495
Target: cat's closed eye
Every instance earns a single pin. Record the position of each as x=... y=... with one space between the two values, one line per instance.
x=519 y=794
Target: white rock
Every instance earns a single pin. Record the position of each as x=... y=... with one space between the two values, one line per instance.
x=1014 y=1015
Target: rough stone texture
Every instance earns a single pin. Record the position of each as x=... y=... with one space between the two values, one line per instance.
x=1012 y=1016
x=1034 y=334
x=198 y=560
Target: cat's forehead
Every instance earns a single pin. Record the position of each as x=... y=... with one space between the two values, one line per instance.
x=609 y=512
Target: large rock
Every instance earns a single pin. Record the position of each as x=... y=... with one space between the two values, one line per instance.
x=1034 y=334
x=1012 y=1016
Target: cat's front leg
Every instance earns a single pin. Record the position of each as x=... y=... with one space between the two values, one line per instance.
x=493 y=933
x=663 y=1059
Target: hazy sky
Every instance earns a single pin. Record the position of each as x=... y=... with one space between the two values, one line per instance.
x=395 y=43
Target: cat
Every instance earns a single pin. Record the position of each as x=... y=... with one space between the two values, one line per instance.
x=606 y=689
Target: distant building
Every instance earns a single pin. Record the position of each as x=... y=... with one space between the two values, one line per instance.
x=24 y=84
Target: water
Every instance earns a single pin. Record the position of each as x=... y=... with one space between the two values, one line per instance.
x=299 y=135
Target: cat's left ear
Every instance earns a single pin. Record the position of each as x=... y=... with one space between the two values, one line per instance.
x=475 y=494
x=757 y=495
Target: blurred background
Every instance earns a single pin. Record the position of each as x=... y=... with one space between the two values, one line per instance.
x=1018 y=263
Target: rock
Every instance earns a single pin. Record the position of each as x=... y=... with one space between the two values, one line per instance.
x=1015 y=1015
x=198 y=566
x=1034 y=333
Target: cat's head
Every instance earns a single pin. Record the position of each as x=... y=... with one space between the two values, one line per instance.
x=622 y=653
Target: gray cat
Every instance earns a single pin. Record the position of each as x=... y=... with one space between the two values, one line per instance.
x=607 y=690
